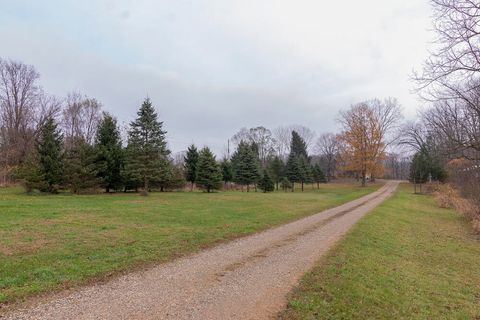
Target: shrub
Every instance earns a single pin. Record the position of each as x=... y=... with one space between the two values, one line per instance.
x=448 y=197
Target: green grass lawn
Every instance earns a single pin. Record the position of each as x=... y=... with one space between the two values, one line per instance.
x=407 y=259
x=52 y=241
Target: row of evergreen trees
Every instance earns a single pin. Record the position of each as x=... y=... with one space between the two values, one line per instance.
x=245 y=168
x=145 y=162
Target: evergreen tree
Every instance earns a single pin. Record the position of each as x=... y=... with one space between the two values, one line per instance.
x=306 y=171
x=31 y=173
x=277 y=170
x=227 y=171
x=245 y=165
x=298 y=146
x=318 y=175
x=266 y=184
x=425 y=167
x=298 y=168
x=177 y=178
x=209 y=176
x=147 y=153
x=110 y=156
x=80 y=169
x=293 y=170
x=285 y=184
x=50 y=155
x=191 y=160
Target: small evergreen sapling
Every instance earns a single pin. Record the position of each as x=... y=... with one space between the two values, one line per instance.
x=209 y=176
x=191 y=162
x=266 y=184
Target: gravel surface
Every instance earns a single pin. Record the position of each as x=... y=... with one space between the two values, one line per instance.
x=248 y=278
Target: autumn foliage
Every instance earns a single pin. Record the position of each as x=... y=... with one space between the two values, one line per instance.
x=363 y=140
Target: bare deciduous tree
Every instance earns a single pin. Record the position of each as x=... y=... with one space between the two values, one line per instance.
x=455 y=60
x=80 y=118
x=283 y=137
x=327 y=148
x=261 y=137
x=23 y=109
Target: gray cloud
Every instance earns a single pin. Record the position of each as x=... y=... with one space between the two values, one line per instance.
x=212 y=67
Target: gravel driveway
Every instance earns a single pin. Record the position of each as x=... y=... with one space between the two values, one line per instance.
x=248 y=278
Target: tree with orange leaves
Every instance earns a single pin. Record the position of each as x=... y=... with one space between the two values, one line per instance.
x=364 y=137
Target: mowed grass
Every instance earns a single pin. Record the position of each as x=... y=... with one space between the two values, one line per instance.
x=408 y=259
x=52 y=241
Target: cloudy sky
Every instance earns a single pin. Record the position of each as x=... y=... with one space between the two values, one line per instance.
x=214 y=66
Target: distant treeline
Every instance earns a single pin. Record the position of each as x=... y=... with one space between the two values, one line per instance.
x=51 y=144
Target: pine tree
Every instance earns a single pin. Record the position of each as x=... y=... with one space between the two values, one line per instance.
x=50 y=155
x=177 y=178
x=293 y=170
x=298 y=146
x=147 y=153
x=80 y=169
x=318 y=175
x=306 y=172
x=245 y=166
x=285 y=184
x=227 y=171
x=209 y=176
x=191 y=160
x=31 y=173
x=266 y=184
x=110 y=156
x=425 y=167
x=298 y=166
x=277 y=170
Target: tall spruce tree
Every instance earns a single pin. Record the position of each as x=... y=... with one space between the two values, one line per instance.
x=318 y=175
x=147 y=153
x=209 y=176
x=245 y=165
x=425 y=167
x=110 y=156
x=80 y=169
x=266 y=183
x=298 y=146
x=293 y=170
x=191 y=161
x=277 y=170
x=306 y=171
x=50 y=155
x=298 y=163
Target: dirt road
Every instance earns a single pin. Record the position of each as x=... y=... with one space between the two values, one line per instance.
x=244 y=279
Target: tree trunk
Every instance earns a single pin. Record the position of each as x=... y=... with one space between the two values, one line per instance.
x=145 y=184
x=248 y=187
x=302 y=186
x=293 y=186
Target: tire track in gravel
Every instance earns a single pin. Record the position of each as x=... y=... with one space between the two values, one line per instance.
x=247 y=278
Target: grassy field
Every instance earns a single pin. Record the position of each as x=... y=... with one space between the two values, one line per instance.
x=50 y=241
x=407 y=259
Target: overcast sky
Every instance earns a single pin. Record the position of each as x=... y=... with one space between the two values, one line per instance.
x=214 y=66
